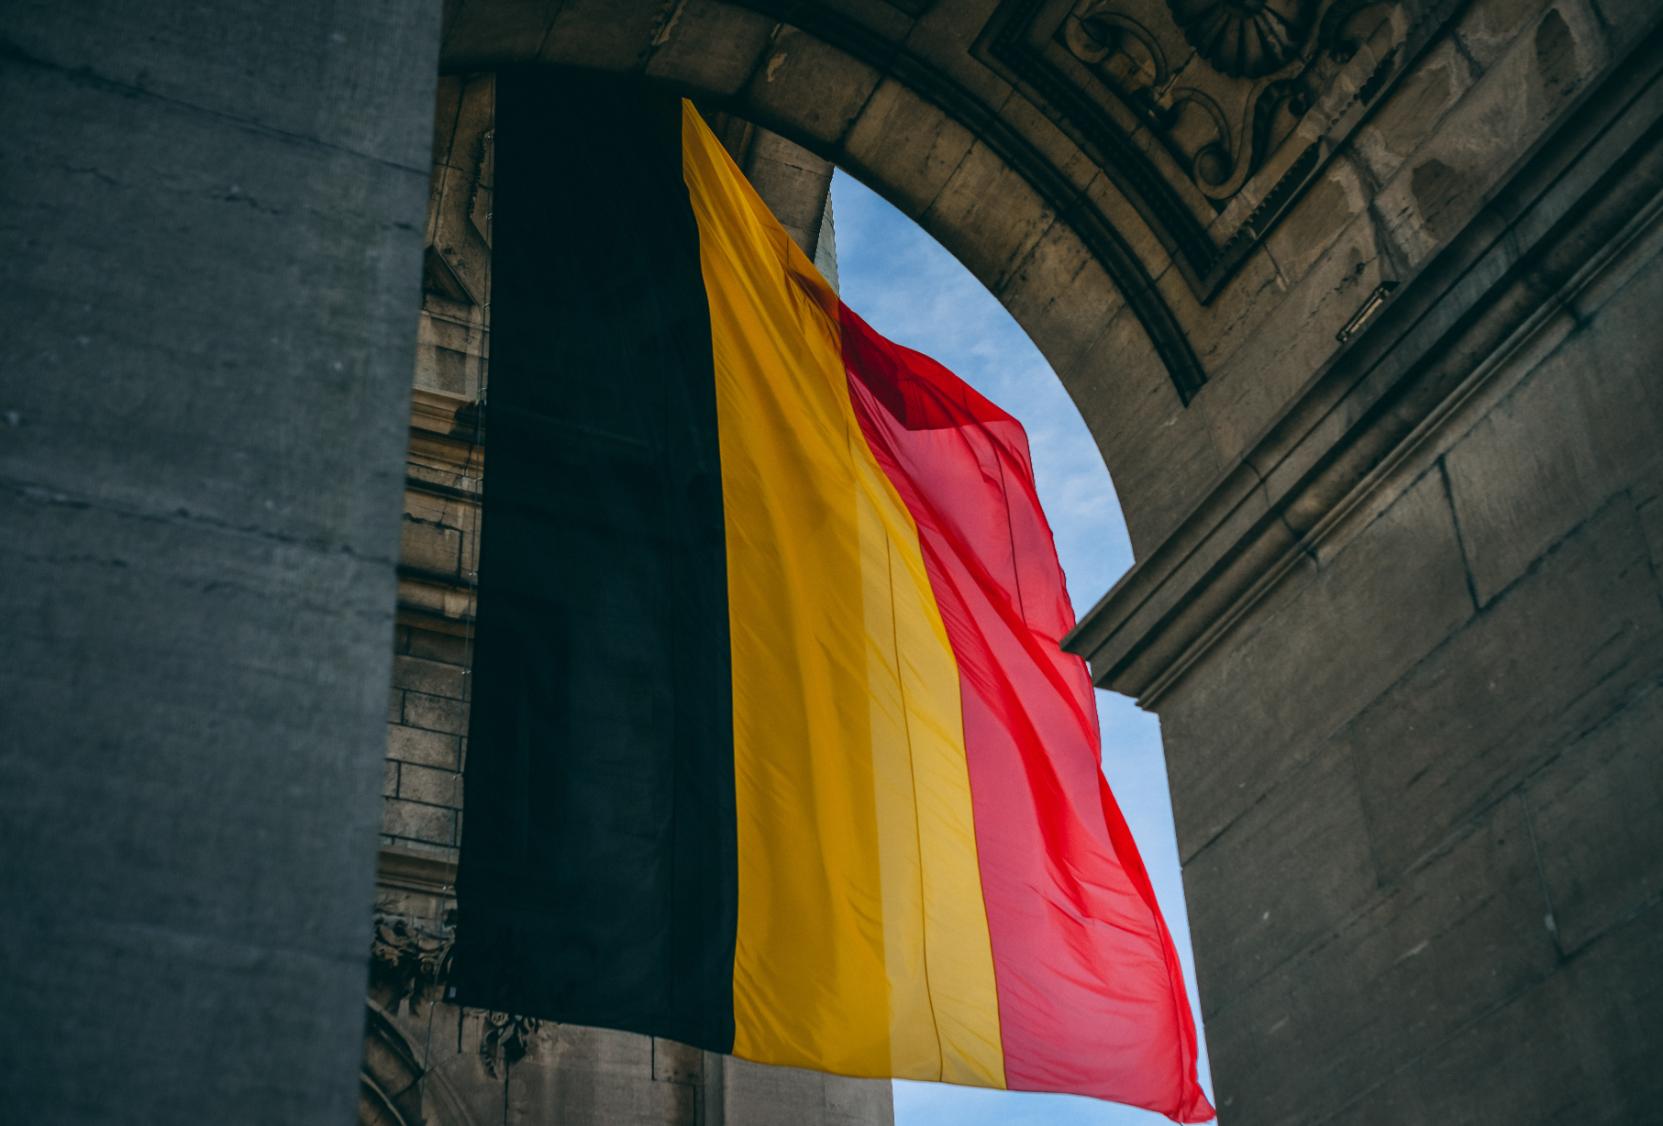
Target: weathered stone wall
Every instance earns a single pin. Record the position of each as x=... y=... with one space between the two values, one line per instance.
x=211 y=217
x=1410 y=678
x=1443 y=768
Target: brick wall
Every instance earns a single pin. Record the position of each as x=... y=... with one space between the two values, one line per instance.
x=427 y=716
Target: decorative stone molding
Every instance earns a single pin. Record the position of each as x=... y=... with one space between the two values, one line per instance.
x=411 y=958
x=454 y=331
x=1376 y=413
x=1212 y=116
x=403 y=870
x=847 y=32
x=1244 y=38
x=1210 y=145
x=505 y=1040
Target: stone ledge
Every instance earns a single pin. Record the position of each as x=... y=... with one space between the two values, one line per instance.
x=1544 y=233
x=415 y=871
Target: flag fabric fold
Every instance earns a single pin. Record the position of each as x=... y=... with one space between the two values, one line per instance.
x=773 y=746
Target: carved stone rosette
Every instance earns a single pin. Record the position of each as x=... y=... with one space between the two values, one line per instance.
x=1244 y=38
x=411 y=959
x=1226 y=82
x=1212 y=116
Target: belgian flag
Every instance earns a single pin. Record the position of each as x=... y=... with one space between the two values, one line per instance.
x=773 y=748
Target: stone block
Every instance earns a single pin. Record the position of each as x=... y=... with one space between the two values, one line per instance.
x=1416 y=105
x=575 y=1075
x=599 y=34
x=433 y=787
x=752 y=1092
x=988 y=217
x=711 y=47
x=1311 y=824
x=442 y=852
x=806 y=82
x=1235 y=316
x=167 y=270
x=1062 y=298
x=1555 y=654
x=1627 y=21
x=446 y=370
x=1317 y=219
x=946 y=34
x=432 y=645
x=435 y=678
x=486 y=32
x=793 y=182
x=1103 y=193
x=1276 y=361
x=1424 y=958
x=1485 y=31
x=358 y=78
x=1048 y=141
x=674 y=1062
x=389 y=779
x=1300 y=671
x=868 y=1102
x=445 y=511
x=1578 y=429
x=1444 y=183
x=427 y=823
x=604 y=1050
x=435 y=713
x=613 y=1103
x=907 y=143
x=239 y=684
x=451 y=335
x=1594 y=814
x=430 y=547
x=1161 y=454
x=1579 y=1047
x=135 y=992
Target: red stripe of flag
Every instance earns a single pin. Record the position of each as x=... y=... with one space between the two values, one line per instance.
x=1091 y=998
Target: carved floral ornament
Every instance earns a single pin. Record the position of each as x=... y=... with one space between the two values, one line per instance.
x=1221 y=85
x=1244 y=38
x=411 y=958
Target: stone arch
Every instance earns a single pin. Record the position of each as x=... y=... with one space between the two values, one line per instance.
x=394 y=1087
x=859 y=96
x=1007 y=195
x=1112 y=170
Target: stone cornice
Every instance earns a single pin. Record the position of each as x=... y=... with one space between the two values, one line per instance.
x=404 y=870
x=1549 y=227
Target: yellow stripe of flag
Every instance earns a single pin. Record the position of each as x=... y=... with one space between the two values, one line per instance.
x=862 y=941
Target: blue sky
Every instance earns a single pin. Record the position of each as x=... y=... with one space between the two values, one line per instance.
x=911 y=290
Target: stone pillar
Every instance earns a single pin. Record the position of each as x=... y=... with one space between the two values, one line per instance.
x=211 y=215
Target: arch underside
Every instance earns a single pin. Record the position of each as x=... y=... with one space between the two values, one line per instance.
x=1124 y=139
